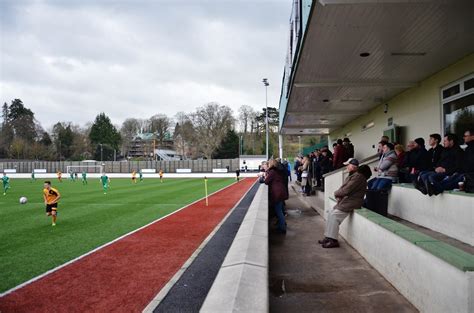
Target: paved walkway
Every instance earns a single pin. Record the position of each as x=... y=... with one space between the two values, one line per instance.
x=304 y=277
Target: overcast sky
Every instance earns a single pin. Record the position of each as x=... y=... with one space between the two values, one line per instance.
x=68 y=60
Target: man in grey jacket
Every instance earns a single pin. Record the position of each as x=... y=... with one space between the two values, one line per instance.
x=349 y=196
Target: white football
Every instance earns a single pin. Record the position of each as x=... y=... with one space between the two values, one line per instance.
x=23 y=200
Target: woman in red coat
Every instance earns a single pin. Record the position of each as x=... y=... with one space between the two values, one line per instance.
x=275 y=179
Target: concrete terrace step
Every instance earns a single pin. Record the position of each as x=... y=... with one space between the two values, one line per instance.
x=433 y=275
x=450 y=213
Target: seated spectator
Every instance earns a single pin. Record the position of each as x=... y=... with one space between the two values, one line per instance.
x=400 y=151
x=379 y=148
x=278 y=191
x=339 y=155
x=450 y=163
x=417 y=160
x=435 y=150
x=349 y=147
x=468 y=164
x=387 y=169
x=349 y=197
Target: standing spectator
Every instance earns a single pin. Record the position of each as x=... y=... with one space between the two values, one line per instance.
x=387 y=169
x=435 y=150
x=339 y=155
x=450 y=163
x=296 y=168
x=288 y=169
x=349 y=147
x=349 y=196
x=278 y=192
x=317 y=167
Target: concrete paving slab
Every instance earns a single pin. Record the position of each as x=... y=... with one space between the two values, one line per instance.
x=304 y=277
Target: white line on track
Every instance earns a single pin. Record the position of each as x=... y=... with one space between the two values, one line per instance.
x=103 y=246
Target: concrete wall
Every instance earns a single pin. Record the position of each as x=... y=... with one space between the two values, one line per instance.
x=449 y=214
x=418 y=110
x=428 y=282
x=242 y=282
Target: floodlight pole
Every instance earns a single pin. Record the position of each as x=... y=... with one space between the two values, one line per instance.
x=266 y=84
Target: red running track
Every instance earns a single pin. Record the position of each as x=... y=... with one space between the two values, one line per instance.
x=126 y=275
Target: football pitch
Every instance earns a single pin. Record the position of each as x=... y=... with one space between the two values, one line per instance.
x=30 y=246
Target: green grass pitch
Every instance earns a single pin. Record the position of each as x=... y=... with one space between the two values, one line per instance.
x=30 y=246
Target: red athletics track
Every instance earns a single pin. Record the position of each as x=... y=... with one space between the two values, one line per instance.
x=126 y=275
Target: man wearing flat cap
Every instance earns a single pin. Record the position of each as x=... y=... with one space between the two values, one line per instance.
x=349 y=196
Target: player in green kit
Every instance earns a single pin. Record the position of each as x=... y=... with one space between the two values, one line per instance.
x=140 y=174
x=104 y=179
x=71 y=176
x=6 y=183
x=33 y=178
x=84 y=178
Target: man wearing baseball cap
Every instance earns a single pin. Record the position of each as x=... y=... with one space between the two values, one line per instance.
x=349 y=196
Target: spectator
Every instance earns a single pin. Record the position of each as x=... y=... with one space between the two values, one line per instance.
x=296 y=168
x=400 y=151
x=418 y=159
x=450 y=163
x=278 y=192
x=435 y=150
x=349 y=147
x=317 y=167
x=387 y=169
x=349 y=196
x=288 y=168
x=339 y=155
x=306 y=177
x=379 y=148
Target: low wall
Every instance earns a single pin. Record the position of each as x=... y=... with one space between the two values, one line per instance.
x=197 y=166
x=242 y=282
x=449 y=213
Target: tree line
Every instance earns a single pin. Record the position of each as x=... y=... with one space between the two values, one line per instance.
x=211 y=131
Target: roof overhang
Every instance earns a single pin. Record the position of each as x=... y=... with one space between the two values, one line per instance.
x=334 y=81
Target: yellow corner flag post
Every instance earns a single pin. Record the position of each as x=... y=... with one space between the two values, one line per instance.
x=205 y=187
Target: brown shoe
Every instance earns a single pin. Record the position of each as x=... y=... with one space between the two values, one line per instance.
x=331 y=243
x=323 y=241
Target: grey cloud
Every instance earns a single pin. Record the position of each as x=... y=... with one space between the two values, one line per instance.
x=135 y=59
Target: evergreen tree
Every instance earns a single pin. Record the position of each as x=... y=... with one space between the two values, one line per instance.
x=229 y=147
x=105 y=134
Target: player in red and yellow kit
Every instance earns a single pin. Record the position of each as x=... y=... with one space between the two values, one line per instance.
x=134 y=177
x=60 y=176
x=161 y=175
x=51 y=197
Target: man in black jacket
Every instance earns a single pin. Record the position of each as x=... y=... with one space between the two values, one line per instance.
x=448 y=167
x=418 y=159
x=435 y=150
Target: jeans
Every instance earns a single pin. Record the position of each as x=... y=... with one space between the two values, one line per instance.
x=280 y=216
x=434 y=179
x=451 y=182
x=379 y=184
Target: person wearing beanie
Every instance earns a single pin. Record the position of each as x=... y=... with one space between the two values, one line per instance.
x=418 y=160
x=339 y=155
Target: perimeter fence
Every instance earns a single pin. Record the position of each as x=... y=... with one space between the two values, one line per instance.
x=196 y=166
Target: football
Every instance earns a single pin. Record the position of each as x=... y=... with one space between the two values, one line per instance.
x=23 y=200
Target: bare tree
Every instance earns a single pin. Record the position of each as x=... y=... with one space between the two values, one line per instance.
x=183 y=134
x=211 y=122
x=246 y=116
x=130 y=128
x=160 y=125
